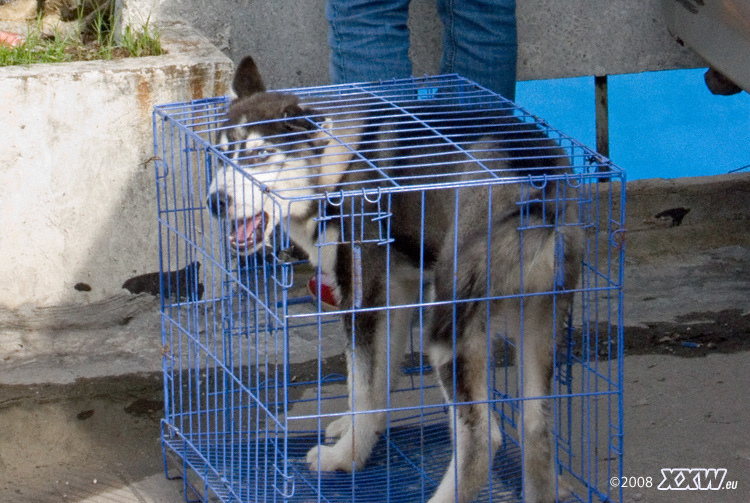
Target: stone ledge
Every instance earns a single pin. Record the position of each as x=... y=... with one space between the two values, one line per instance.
x=81 y=198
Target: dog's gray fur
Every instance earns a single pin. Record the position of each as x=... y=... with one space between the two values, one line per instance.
x=484 y=255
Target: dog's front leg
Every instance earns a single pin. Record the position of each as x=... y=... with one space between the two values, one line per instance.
x=359 y=431
x=373 y=359
x=376 y=348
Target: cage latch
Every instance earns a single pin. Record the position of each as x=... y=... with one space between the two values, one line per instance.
x=287 y=492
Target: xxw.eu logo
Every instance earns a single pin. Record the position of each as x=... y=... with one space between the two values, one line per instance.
x=692 y=479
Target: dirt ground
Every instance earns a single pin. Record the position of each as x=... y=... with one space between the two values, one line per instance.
x=97 y=440
x=73 y=429
x=76 y=441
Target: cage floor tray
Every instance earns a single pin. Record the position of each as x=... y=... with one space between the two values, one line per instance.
x=406 y=464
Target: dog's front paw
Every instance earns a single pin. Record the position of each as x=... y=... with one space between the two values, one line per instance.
x=327 y=458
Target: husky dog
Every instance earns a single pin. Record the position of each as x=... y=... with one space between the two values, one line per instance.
x=501 y=257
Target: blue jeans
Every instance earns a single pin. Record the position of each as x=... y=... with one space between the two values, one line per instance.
x=369 y=41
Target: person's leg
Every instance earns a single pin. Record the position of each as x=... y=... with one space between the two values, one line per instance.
x=369 y=40
x=480 y=43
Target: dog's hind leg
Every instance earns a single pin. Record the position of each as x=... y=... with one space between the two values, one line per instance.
x=532 y=328
x=462 y=369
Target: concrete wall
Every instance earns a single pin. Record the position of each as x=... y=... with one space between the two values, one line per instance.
x=78 y=211
x=558 y=38
x=78 y=208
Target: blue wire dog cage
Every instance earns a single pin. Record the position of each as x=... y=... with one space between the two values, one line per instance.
x=252 y=344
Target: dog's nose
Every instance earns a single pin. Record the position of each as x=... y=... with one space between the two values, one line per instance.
x=218 y=203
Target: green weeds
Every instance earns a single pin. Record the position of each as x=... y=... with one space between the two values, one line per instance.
x=95 y=39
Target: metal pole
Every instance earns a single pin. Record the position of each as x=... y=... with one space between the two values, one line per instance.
x=602 y=115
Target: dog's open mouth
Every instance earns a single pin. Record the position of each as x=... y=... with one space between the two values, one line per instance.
x=247 y=234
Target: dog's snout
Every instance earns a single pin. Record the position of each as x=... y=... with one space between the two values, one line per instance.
x=218 y=203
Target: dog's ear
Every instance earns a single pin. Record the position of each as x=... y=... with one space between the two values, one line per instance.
x=297 y=120
x=303 y=120
x=247 y=80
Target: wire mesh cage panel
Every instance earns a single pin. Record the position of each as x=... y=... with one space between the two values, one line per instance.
x=422 y=236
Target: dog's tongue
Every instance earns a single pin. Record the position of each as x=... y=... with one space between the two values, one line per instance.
x=249 y=232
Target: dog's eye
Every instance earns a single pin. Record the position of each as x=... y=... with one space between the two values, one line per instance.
x=266 y=152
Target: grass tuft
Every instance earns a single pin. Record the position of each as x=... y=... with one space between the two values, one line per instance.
x=95 y=39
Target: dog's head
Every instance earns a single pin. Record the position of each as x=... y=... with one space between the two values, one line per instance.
x=273 y=142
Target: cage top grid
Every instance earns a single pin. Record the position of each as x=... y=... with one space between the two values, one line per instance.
x=439 y=122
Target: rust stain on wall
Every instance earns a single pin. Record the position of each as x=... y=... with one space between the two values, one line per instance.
x=144 y=95
x=221 y=80
x=198 y=77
